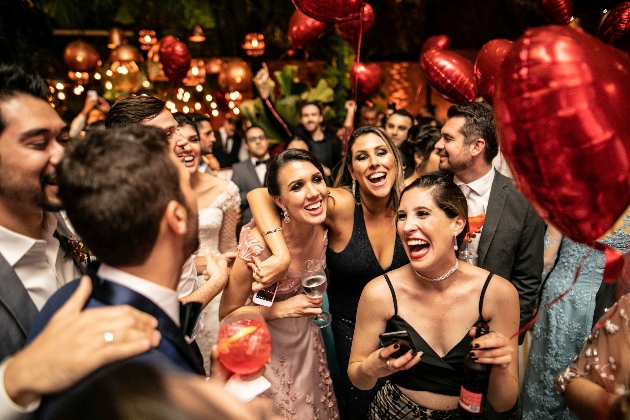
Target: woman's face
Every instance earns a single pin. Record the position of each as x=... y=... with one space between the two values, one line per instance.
x=373 y=166
x=433 y=163
x=426 y=232
x=303 y=192
x=192 y=154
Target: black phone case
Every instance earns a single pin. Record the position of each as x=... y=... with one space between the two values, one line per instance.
x=403 y=338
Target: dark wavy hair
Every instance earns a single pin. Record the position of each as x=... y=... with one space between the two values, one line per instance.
x=280 y=160
x=183 y=119
x=446 y=195
x=129 y=110
x=420 y=141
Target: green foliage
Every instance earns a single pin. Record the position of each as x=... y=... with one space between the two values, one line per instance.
x=253 y=110
x=321 y=93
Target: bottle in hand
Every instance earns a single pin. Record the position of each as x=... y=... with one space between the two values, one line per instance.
x=474 y=390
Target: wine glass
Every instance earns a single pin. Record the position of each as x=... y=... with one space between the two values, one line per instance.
x=244 y=343
x=475 y=224
x=314 y=284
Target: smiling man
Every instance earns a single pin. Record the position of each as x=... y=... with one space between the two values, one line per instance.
x=323 y=144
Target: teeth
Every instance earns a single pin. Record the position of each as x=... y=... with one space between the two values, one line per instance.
x=314 y=206
x=416 y=242
x=189 y=159
x=375 y=176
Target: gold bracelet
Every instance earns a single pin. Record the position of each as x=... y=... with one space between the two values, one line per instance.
x=278 y=229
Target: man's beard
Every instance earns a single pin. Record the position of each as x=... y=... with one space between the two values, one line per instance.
x=12 y=189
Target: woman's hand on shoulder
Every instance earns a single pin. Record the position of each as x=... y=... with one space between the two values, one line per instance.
x=298 y=306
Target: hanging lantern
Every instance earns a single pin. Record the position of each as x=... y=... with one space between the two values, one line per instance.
x=254 y=44
x=147 y=38
x=116 y=38
x=82 y=59
x=155 y=72
x=196 y=73
x=215 y=66
x=79 y=77
x=197 y=35
x=125 y=70
x=236 y=76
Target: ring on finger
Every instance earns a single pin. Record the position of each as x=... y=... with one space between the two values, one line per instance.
x=497 y=333
x=390 y=367
x=255 y=271
x=108 y=337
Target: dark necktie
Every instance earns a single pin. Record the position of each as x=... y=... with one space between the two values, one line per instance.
x=262 y=162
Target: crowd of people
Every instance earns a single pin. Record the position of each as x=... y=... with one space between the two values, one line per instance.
x=122 y=248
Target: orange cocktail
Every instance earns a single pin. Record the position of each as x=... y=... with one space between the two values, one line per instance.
x=244 y=344
x=475 y=223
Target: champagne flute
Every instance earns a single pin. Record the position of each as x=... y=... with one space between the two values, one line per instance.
x=314 y=284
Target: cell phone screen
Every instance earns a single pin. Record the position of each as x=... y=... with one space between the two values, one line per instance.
x=265 y=296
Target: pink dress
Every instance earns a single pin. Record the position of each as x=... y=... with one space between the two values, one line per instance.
x=301 y=387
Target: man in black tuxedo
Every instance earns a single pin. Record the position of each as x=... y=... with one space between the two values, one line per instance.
x=511 y=240
x=143 y=235
x=228 y=144
x=34 y=258
x=250 y=174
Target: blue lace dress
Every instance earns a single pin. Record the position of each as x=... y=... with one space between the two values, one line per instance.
x=560 y=332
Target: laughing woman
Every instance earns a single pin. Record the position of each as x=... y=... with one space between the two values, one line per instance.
x=363 y=242
x=301 y=386
x=437 y=299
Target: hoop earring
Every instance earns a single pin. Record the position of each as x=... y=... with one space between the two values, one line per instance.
x=285 y=213
x=455 y=242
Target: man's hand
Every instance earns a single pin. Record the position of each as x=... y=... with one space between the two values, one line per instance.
x=73 y=345
x=262 y=81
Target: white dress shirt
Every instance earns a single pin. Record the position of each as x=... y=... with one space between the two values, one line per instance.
x=261 y=170
x=478 y=201
x=226 y=141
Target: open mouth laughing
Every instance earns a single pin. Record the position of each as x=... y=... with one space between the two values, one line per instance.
x=418 y=248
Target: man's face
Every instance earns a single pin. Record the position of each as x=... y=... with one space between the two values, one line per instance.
x=397 y=127
x=31 y=145
x=311 y=118
x=230 y=128
x=206 y=135
x=256 y=143
x=367 y=117
x=454 y=155
x=165 y=121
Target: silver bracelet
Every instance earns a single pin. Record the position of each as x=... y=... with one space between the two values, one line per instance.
x=272 y=231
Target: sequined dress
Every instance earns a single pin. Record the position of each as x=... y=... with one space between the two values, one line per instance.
x=301 y=387
x=560 y=332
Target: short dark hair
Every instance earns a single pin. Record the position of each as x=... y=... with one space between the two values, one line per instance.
x=17 y=80
x=305 y=104
x=198 y=118
x=115 y=186
x=446 y=195
x=250 y=127
x=185 y=119
x=420 y=140
x=133 y=109
x=280 y=160
x=402 y=113
x=479 y=125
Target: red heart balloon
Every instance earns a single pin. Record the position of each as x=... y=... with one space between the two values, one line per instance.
x=615 y=28
x=557 y=11
x=561 y=105
x=488 y=64
x=450 y=74
x=175 y=59
x=330 y=11
x=436 y=42
x=303 y=30
x=350 y=30
x=366 y=79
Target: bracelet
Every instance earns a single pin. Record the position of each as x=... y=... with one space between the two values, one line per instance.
x=272 y=231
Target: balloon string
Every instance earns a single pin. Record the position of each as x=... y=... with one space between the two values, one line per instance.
x=277 y=117
x=557 y=298
x=356 y=74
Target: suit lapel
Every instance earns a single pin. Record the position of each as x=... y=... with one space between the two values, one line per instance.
x=496 y=201
x=15 y=298
x=64 y=230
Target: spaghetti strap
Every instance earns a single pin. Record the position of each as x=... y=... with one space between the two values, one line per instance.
x=483 y=293
x=389 y=283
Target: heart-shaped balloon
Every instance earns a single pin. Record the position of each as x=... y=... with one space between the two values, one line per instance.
x=615 y=28
x=561 y=103
x=330 y=11
x=557 y=11
x=175 y=59
x=366 y=79
x=304 y=29
x=450 y=74
x=350 y=30
x=488 y=65
x=436 y=42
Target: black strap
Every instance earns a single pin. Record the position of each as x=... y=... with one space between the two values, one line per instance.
x=389 y=283
x=483 y=293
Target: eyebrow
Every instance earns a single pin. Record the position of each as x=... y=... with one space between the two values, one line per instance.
x=42 y=131
x=421 y=208
x=295 y=181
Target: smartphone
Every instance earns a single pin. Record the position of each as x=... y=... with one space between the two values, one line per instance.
x=91 y=94
x=402 y=338
x=391 y=105
x=265 y=296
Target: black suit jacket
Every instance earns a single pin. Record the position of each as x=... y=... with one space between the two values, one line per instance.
x=17 y=310
x=226 y=160
x=245 y=177
x=511 y=243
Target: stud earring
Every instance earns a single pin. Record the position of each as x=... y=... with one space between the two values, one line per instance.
x=286 y=215
x=455 y=242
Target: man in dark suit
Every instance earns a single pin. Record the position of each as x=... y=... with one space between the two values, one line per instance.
x=250 y=174
x=511 y=240
x=132 y=170
x=34 y=257
x=228 y=144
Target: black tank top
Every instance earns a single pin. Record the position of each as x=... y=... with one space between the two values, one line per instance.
x=351 y=269
x=440 y=375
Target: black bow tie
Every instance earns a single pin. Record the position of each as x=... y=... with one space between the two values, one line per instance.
x=262 y=162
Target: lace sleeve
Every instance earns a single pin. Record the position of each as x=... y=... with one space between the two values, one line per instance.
x=231 y=216
x=603 y=359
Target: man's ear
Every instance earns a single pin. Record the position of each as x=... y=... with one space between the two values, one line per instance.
x=478 y=147
x=176 y=217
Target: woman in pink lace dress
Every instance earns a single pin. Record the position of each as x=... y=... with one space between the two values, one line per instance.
x=301 y=385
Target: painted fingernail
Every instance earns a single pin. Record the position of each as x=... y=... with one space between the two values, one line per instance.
x=472 y=354
x=475 y=346
x=413 y=353
x=396 y=346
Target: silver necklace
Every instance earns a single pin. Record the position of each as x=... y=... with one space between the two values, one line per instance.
x=448 y=273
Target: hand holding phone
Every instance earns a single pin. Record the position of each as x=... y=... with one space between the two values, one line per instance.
x=91 y=94
x=403 y=338
x=265 y=296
